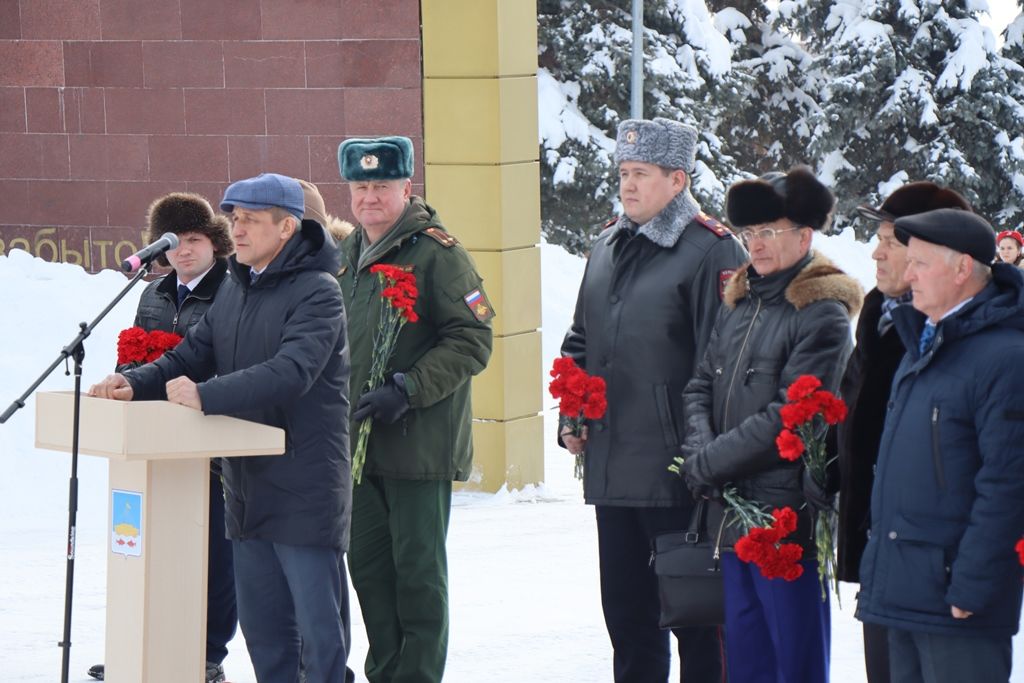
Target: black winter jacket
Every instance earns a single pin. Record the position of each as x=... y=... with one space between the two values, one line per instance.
x=948 y=500
x=275 y=352
x=771 y=330
x=865 y=388
x=643 y=316
x=158 y=305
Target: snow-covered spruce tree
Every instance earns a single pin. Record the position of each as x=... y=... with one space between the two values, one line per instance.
x=1013 y=37
x=912 y=89
x=585 y=48
x=767 y=130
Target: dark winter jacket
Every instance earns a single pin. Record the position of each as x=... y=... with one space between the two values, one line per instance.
x=948 y=500
x=865 y=388
x=275 y=352
x=643 y=315
x=771 y=330
x=158 y=305
x=438 y=354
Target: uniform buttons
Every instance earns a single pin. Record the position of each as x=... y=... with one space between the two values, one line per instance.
x=892 y=535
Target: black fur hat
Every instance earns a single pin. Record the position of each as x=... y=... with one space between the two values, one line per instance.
x=181 y=212
x=797 y=195
x=914 y=198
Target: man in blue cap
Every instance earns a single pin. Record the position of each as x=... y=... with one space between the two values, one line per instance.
x=273 y=350
x=939 y=569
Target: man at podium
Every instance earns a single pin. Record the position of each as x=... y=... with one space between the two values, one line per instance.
x=272 y=349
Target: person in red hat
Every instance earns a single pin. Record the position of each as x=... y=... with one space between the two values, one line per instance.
x=1010 y=244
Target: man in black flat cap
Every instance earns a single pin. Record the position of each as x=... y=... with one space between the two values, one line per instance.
x=939 y=570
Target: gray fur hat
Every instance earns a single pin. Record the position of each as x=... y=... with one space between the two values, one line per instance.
x=663 y=142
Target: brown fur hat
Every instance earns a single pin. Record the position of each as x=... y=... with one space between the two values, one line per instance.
x=181 y=212
x=797 y=195
x=914 y=198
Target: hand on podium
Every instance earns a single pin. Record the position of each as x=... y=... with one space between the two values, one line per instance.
x=183 y=391
x=112 y=386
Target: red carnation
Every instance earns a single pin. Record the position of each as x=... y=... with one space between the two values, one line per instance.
x=580 y=397
x=1020 y=550
x=790 y=446
x=803 y=386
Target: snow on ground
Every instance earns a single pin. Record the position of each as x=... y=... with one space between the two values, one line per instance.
x=524 y=586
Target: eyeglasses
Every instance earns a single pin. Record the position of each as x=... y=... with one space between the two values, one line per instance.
x=764 y=233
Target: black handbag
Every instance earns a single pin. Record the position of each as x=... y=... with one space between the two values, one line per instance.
x=689 y=576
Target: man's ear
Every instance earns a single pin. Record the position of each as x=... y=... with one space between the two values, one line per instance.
x=964 y=269
x=291 y=224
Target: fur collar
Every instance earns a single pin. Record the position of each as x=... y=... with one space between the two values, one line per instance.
x=819 y=279
x=665 y=228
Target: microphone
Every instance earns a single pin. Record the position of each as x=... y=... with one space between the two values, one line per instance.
x=166 y=242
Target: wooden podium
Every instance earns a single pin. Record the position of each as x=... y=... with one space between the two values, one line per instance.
x=157 y=522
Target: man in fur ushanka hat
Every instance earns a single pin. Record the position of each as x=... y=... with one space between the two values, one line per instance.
x=174 y=303
x=786 y=314
x=650 y=295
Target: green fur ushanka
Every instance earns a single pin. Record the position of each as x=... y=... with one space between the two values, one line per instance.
x=387 y=158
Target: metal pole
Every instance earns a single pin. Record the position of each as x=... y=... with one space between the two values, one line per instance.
x=636 y=104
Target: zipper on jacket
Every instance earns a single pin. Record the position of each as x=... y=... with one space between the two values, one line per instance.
x=717 y=554
x=940 y=472
x=732 y=380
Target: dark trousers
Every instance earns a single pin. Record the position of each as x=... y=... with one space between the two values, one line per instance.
x=629 y=597
x=776 y=631
x=399 y=567
x=221 y=611
x=917 y=657
x=876 y=653
x=289 y=600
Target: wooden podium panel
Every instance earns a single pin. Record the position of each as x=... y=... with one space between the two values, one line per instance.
x=157 y=521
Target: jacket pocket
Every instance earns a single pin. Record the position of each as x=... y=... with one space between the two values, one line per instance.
x=940 y=470
x=762 y=373
x=916 y=573
x=666 y=417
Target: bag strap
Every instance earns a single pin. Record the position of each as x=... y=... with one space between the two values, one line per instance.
x=698 y=523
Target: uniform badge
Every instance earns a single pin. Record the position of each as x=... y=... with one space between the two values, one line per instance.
x=723 y=279
x=342 y=271
x=369 y=162
x=479 y=306
x=631 y=136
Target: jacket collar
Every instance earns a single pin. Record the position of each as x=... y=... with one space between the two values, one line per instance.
x=204 y=290
x=814 y=278
x=310 y=248
x=665 y=228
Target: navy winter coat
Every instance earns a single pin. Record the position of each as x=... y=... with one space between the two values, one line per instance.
x=275 y=352
x=947 y=505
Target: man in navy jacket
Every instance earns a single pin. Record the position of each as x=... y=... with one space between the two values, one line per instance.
x=939 y=570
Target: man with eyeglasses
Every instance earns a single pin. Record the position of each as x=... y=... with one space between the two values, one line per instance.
x=865 y=388
x=646 y=306
x=786 y=314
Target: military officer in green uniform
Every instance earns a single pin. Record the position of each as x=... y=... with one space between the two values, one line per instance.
x=421 y=439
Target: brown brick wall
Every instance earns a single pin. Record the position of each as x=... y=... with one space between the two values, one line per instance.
x=107 y=104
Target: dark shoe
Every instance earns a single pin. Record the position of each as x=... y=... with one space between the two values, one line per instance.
x=214 y=673
x=96 y=671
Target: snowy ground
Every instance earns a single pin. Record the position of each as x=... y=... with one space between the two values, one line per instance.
x=524 y=587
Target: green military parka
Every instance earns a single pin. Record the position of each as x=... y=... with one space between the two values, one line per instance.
x=438 y=354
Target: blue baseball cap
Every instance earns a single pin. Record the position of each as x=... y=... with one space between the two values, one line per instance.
x=265 y=191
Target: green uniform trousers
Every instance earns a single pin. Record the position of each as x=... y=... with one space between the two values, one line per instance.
x=399 y=568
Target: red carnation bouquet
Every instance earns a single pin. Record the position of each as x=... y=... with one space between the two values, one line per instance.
x=1020 y=550
x=805 y=419
x=398 y=289
x=762 y=544
x=581 y=397
x=135 y=345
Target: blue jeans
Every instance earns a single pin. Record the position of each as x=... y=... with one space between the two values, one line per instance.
x=289 y=607
x=776 y=631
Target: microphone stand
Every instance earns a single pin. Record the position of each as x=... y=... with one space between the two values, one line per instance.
x=76 y=351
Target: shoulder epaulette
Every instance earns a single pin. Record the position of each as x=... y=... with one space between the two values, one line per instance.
x=441 y=237
x=610 y=223
x=713 y=224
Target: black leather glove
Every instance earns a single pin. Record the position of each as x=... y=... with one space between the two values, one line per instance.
x=386 y=404
x=817 y=496
x=697 y=479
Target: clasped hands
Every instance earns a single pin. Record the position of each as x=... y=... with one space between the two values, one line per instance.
x=180 y=390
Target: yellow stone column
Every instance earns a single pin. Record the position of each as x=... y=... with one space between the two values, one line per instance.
x=482 y=175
